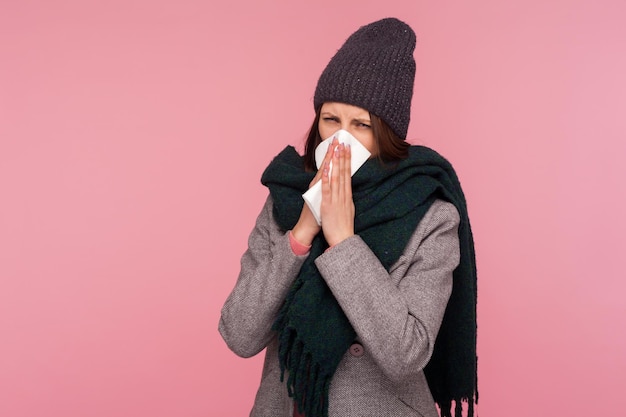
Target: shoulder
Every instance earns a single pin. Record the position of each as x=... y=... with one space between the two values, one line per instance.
x=440 y=222
x=265 y=219
x=433 y=246
x=266 y=211
x=441 y=211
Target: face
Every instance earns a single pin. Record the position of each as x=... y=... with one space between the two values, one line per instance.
x=336 y=116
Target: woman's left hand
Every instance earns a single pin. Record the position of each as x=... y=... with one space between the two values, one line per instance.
x=337 y=209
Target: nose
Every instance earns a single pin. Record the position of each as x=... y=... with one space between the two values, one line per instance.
x=348 y=127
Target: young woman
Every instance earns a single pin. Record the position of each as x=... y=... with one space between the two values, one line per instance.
x=373 y=311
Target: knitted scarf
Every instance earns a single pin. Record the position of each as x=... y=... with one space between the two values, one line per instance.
x=390 y=200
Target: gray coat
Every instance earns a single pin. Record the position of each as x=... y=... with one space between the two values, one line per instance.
x=395 y=314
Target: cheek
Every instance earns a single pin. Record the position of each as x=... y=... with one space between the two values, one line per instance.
x=325 y=131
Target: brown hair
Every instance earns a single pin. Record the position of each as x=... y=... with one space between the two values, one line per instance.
x=390 y=147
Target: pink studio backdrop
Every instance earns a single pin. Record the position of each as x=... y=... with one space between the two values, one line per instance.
x=133 y=135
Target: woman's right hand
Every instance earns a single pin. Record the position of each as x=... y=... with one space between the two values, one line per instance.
x=307 y=228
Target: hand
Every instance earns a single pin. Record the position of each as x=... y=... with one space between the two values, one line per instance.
x=307 y=228
x=337 y=211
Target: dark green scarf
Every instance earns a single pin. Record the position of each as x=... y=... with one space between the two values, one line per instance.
x=390 y=200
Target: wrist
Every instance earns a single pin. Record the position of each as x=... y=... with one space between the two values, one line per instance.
x=335 y=240
x=301 y=235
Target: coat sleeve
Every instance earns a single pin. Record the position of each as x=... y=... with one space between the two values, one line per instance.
x=397 y=314
x=268 y=268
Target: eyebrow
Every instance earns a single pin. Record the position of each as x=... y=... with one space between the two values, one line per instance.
x=356 y=119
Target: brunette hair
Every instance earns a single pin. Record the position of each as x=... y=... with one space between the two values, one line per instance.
x=391 y=148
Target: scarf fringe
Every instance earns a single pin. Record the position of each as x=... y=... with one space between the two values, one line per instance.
x=305 y=382
x=446 y=407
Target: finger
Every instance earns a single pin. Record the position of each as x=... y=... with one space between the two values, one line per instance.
x=327 y=158
x=330 y=153
x=325 y=183
x=348 y=172
x=335 y=185
x=342 y=171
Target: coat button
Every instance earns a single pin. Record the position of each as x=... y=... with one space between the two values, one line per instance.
x=356 y=350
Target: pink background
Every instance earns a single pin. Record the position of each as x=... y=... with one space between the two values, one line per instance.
x=133 y=135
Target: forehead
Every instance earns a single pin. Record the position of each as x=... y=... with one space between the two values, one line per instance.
x=345 y=110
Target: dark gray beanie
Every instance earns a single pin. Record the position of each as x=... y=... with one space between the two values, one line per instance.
x=375 y=70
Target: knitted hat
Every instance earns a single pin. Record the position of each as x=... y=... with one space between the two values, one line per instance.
x=375 y=70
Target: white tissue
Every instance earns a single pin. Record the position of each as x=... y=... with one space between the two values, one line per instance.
x=359 y=154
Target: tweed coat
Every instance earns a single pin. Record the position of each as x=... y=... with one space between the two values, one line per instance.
x=396 y=315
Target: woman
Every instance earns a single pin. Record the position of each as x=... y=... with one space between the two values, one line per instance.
x=373 y=312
